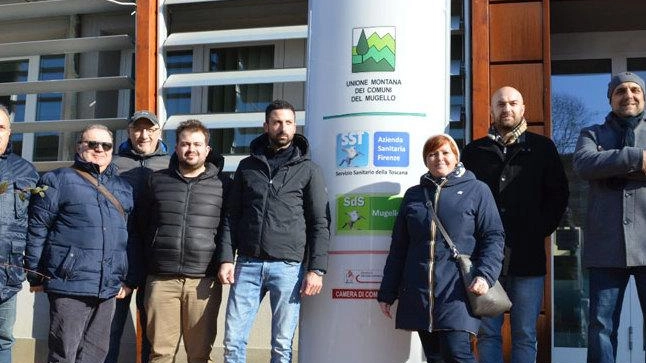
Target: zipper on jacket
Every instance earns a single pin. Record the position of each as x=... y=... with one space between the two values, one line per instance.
x=103 y=232
x=182 y=241
x=431 y=280
x=270 y=182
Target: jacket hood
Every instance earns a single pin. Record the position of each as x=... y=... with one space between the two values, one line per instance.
x=260 y=143
x=458 y=176
x=126 y=150
x=92 y=168
x=212 y=157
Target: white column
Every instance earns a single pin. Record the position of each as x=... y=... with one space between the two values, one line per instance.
x=377 y=88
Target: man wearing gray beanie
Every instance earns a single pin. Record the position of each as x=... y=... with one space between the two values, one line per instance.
x=612 y=158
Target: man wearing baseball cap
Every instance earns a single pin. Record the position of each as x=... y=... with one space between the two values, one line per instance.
x=140 y=155
x=612 y=158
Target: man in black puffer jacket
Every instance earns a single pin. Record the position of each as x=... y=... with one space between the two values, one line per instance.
x=182 y=294
x=278 y=217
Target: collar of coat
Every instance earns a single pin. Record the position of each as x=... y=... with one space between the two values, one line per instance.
x=92 y=168
x=260 y=143
x=458 y=175
x=510 y=137
x=126 y=150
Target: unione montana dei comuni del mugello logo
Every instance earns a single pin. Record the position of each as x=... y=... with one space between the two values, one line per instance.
x=373 y=49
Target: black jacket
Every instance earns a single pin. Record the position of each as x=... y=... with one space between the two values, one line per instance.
x=284 y=216
x=136 y=169
x=185 y=218
x=531 y=190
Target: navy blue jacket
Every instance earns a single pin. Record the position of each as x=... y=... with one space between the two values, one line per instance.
x=77 y=237
x=468 y=212
x=17 y=175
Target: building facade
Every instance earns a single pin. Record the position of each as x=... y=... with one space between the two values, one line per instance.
x=67 y=63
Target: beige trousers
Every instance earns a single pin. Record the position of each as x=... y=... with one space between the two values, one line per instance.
x=181 y=307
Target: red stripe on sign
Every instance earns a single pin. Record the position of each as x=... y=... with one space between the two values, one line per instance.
x=354 y=293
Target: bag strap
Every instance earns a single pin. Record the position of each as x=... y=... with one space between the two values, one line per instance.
x=103 y=190
x=436 y=219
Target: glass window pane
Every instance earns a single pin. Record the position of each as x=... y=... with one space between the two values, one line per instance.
x=239 y=98
x=49 y=107
x=15 y=71
x=178 y=100
x=578 y=100
x=458 y=86
x=637 y=65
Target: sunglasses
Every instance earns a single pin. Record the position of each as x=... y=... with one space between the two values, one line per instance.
x=107 y=146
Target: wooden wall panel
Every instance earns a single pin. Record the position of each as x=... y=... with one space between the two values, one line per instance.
x=480 y=89
x=526 y=78
x=536 y=128
x=146 y=56
x=516 y=32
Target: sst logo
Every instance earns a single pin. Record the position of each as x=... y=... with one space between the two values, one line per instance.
x=352 y=149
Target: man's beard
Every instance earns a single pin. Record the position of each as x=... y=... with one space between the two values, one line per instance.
x=190 y=167
x=277 y=143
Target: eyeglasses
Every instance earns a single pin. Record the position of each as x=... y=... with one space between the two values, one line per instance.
x=107 y=146
x=150 y=130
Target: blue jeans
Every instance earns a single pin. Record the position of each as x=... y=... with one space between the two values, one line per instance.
x=121 y=313
x=526 y=295
x=447 y=346
x=253 y=279
x=607 y=287
x=7 y=320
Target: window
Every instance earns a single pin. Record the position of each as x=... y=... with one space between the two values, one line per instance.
x=637 y=65
x=233 y=98
x=578 y=100
x=239 y=98
x=49 y=107
x=459 y=91
x=178 y=100
x=14 y=71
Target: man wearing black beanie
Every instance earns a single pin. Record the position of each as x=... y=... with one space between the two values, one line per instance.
x=612 y=158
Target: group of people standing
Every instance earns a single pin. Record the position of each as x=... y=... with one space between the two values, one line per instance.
x=168 y=225
x=499 y=202
x=173 y=227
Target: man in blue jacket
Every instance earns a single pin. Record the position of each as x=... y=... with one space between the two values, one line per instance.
x=611 y=157
x=137 y=158
x=17 y=179
x=279 y=225
x=78 y=239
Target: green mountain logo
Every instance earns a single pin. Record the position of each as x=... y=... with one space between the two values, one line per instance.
x=373 y=49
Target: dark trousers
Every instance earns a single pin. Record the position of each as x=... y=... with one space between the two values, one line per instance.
x=447 y=346
x=79 y=328
x=121 y=313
